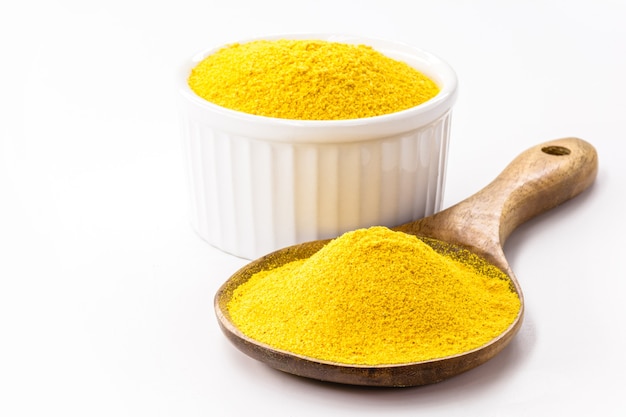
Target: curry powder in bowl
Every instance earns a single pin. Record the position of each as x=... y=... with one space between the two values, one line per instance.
x=307 y=79
x=292 y=138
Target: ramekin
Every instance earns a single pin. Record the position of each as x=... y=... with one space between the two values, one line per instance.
x=258 y=184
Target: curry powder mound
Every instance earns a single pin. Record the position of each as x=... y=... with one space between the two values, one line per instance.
x=309 y=80
x=373 y=297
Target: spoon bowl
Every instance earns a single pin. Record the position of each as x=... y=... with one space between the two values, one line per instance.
x=539 y=179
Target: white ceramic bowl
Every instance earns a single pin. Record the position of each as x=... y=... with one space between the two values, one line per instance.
x=259 y=183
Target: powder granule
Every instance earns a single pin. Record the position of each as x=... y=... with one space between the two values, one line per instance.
x=309 y=80
x=375 y=296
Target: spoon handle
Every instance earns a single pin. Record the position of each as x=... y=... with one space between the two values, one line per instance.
x=539 y=179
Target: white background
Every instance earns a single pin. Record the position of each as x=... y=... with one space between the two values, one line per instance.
x=106 y=292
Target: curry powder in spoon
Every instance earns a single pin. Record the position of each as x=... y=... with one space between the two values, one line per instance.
x=376 y=296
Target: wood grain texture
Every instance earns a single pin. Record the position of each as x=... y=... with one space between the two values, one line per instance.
x=539 y=179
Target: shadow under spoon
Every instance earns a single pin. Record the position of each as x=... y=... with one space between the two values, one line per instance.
x=539 y=179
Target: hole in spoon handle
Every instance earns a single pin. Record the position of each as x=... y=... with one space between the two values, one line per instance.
x=539 y=179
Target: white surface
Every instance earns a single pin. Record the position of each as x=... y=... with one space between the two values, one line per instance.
x=106 y=293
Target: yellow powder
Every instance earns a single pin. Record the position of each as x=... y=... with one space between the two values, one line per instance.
x=309 y=80
x=375 y=296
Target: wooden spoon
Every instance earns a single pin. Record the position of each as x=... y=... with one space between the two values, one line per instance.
x=539 y=179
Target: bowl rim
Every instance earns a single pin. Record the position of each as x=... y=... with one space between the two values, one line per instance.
x=327 y=131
